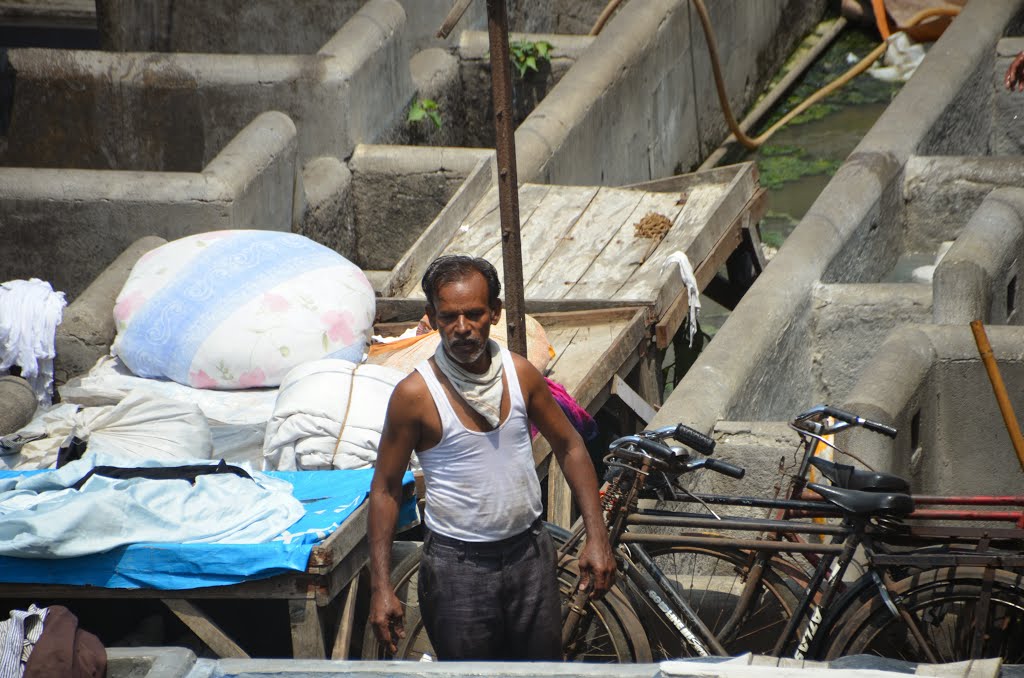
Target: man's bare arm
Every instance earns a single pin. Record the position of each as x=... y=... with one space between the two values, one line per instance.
x=597 y=563
x=399 y=438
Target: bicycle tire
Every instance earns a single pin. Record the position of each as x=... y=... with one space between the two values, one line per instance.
x=613 y=633
x=944 y=604
x=711 y=579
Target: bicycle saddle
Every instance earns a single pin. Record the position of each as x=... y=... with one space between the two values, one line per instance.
x=852 y=478
x=865 y=503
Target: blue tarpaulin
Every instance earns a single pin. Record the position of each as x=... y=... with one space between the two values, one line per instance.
x=329 y=497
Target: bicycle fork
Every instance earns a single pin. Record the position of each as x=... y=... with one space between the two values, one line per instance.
x=656 y=586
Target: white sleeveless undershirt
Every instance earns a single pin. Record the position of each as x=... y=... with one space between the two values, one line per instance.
x=481 y=486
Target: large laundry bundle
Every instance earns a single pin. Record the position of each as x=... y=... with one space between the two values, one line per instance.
x=329 y=414
x=239 y=309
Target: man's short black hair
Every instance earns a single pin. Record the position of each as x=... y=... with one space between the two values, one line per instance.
x=452 y=267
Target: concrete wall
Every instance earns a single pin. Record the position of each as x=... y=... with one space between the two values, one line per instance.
x=852 y=233
x=933 y=374
x=636 y=106
x=980 y=276
x=87 y=329
x=397 y=191
x=175 y=112
x=941 y=192
x=849 y=323
x=527 y=92
x=65 y=226
x=254 y=26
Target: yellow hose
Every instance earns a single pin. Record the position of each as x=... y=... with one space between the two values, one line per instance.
x=861 y=66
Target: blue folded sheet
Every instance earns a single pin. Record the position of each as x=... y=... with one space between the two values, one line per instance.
x=328 y=496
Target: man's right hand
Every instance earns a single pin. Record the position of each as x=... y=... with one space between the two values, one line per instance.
x=387 y=619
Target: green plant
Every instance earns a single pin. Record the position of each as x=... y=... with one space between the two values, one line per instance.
x=526 y=54
x=425 y=108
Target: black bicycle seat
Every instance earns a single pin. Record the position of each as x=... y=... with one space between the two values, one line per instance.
x=865 y=503
x=852 y=478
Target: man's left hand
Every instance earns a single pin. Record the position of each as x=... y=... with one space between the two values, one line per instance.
x=597 y=567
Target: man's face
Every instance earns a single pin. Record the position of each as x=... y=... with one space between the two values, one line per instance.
x=463 y=317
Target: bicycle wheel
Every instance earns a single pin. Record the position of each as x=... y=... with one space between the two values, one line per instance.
x=945 y=605
x=711 y=580
x=611 y=632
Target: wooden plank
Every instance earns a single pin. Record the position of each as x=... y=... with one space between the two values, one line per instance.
x=559 y=496
x=740 y=193
x=343 y=637
x=579 y=357
x=574 y=252
x=405 y=309
x=478 y=238
x=407 y=272
x=327 y=554
x=673 y=316
x=553 y=218
x=624 y=252
x=600 y=369
x=685 y=182
x=691 y=221
x=307 y=630
x=633 y=399
x=590 y=317
x=204 y=627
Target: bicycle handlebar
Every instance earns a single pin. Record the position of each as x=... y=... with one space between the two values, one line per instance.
x=725 y=468
x=684 y=434
x=819 y=411
x=663 y=455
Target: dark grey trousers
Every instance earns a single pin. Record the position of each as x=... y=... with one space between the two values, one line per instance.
x=493 y=600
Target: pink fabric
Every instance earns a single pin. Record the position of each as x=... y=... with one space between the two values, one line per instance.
x=577 y=415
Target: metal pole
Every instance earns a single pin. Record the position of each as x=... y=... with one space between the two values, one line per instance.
x=508 y=181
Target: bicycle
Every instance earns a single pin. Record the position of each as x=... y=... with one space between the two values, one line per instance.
x=862 y=612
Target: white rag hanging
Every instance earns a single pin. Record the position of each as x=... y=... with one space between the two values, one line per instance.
x=29 y=314
x=690 y=282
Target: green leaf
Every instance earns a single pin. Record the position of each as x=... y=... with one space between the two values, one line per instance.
x=416 y=113
x=543 y=49
x=435 y=117
x=522 y=69
x=531 y=63
x=428 y=104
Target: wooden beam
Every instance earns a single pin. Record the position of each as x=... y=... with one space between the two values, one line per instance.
x=205 y=628
x=559 y=496
x=343 y=637
x=633 y=399
x=307 y=629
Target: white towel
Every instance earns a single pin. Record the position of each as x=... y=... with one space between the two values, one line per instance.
x=29 y=314
x=690 y=281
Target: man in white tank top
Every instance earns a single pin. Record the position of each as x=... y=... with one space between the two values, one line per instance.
x=487 y=584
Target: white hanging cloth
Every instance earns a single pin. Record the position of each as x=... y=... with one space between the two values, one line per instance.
x=29 y=314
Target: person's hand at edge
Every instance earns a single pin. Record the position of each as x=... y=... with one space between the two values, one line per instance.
x=387 y=619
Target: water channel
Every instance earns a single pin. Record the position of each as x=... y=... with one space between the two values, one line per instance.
x=799 y=160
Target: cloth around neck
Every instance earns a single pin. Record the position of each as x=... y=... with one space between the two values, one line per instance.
x=482 y=392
